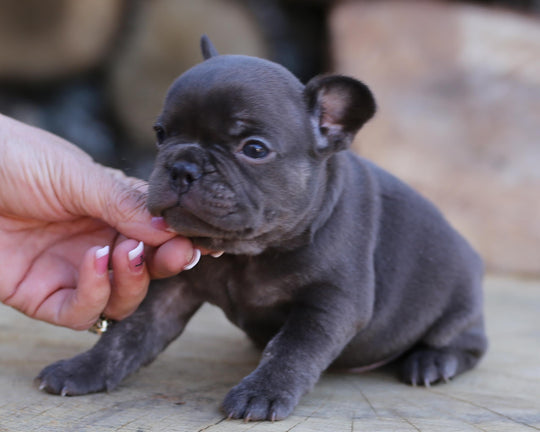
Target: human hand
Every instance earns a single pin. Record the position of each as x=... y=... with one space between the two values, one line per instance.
x=58 y=208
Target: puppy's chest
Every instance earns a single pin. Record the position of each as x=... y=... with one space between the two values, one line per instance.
x=255 y=289
x=247 y=286
x=258 y=305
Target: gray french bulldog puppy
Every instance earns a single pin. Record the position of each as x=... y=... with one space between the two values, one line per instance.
x=329 y=260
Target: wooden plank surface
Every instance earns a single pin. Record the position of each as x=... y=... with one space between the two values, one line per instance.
x=182 y=389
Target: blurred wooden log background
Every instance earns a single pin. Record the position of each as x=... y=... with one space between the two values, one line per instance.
x=457 y=84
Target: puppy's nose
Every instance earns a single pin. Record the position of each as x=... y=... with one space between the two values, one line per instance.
x=183 y=173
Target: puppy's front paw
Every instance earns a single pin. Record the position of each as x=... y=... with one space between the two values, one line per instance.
x=76 y=376
x=428 y=365
x=256 y=400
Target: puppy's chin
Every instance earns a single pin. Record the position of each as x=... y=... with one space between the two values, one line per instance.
x=231 y=246
x=202 y=224
x=230 y=233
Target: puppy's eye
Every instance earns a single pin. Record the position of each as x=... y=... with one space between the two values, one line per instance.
x=255 y=149
x=160 y=133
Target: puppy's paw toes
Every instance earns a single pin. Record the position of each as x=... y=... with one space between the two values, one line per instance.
x=70 y=378
x=428 y=366
x=252 y=402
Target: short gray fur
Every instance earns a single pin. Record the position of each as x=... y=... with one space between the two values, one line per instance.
x=329 y=260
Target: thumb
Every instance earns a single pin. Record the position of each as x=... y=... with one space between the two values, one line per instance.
x=120 y=201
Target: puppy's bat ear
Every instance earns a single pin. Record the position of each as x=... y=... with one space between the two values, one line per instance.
x=339 y=106
x=207 y=48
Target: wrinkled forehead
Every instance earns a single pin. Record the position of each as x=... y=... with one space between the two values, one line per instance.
x=235 y=88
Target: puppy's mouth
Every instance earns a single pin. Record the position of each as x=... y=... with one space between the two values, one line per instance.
x=206 y=231
x=201 y=224
x=198 y=215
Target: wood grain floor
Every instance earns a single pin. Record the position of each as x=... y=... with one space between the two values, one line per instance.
x=182 y=389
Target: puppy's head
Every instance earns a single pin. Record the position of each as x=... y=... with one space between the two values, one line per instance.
x=243 y=148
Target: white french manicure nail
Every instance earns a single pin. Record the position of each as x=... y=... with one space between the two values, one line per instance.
x=194 y=260
x=217 y=254
x=102 y=252
x=133 y=254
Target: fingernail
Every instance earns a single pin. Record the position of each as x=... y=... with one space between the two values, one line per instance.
x=102 y=260
x=194 y=259
x=159 y=223
x=136 y=258
x=217 y=254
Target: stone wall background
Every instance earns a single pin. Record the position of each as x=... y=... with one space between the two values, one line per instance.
x=457 y=84
x=458 y=87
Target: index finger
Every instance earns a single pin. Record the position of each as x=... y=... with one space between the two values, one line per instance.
x=171 y=258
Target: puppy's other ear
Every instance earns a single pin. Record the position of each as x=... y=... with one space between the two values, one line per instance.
x=339 y=106
x=207 y=48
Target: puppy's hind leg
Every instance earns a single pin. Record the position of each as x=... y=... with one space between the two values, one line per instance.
x=127 y=345
x=457 y=340
x=428 y=363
